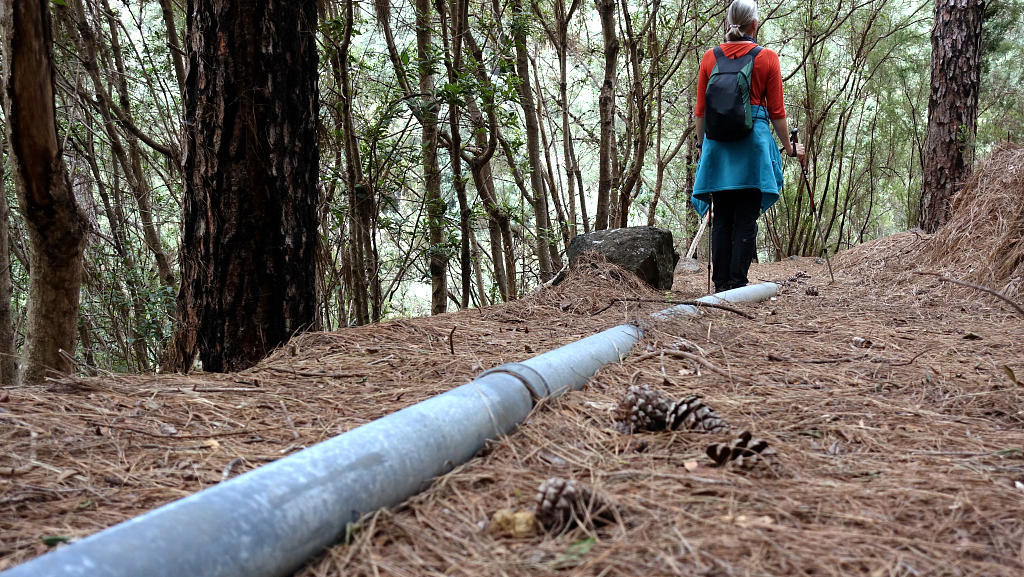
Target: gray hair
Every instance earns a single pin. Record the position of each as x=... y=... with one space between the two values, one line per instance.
x=742 y=13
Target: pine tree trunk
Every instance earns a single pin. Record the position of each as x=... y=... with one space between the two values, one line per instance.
x=952 y=106
x=249 y=228
x=56 y=228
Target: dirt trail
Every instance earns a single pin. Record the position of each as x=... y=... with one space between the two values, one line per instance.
x=904 y=458
x=901 y=458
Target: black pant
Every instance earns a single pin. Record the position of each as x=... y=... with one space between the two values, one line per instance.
x=733 y=236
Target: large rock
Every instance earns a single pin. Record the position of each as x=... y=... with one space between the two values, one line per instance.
x=643 y=250
x=689 y=266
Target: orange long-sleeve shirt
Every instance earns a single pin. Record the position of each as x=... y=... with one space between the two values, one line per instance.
x=767 y=78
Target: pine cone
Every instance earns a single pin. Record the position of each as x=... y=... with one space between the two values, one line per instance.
x=642 y=409
x=693 y=415
x=744 y=451
x=562 y=503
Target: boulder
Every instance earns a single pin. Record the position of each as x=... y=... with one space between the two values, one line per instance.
x=689 y=266
x=645 y=251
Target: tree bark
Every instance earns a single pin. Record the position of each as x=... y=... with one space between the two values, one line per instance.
x=606 y=108
x=572 y=167
x=524 y=89
x=52 y=214
x=551 y=174
x=452 y=34
x=364 y=285
x=639 y=99
x=438 y=256
x=173 y=43
x=249 y=228
x=8 y=350
x=499 y=220
x=952 y=106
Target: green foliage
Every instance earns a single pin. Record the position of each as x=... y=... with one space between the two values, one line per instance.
x=1002 y=88
x=857 y=84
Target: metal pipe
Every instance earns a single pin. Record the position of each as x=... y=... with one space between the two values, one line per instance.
x=746 y=294
x=269 y=521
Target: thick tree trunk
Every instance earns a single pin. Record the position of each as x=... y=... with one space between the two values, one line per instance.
x=52 y=215
x=952 y=106
x=249 y=230
x=606 y=108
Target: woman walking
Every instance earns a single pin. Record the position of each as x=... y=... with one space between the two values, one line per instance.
x=739 y=173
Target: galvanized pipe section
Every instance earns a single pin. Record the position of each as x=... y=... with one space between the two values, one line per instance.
x=268 y=522
x=271 y=520
x=747 y=294
x=570 y=367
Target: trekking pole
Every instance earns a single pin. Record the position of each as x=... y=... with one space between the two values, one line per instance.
x=817 y=217
x=711 y=216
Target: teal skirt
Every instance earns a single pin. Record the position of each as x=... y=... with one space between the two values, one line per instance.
x=753 y=162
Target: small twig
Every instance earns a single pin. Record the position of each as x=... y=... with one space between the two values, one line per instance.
x=688 y=356
x=196 y=389
x=16 y=471
x=783 y=359
x=903 y=363
x=952 y=453
x=202 y=447
x=314 y=373
x=892 y=362
x=162 y=436
x=992 y=292
x=451 y=340
x=288 y=420
x=676 y=302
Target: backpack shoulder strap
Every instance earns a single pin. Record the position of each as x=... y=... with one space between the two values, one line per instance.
x=718 y=53
x=753 y=54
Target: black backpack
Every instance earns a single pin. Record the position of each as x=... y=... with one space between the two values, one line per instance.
x=727 y=114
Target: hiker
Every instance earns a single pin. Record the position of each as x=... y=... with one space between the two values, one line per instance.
x=740 y=169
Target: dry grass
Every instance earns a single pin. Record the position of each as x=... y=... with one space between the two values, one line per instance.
x=984 y=238
x=982 y=243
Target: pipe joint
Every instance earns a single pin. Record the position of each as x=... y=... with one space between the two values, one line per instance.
x=531 y=378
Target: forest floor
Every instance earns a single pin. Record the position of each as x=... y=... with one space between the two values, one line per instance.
x=903 y=455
